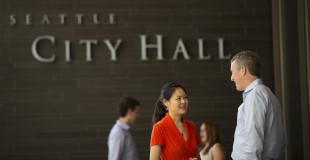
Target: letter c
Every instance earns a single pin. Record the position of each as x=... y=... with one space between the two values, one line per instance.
x=34 y=50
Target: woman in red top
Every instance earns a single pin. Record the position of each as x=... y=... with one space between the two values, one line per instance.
x=173 y=138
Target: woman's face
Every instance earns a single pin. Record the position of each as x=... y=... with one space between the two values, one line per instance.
x=203 y=133
x=178 y=102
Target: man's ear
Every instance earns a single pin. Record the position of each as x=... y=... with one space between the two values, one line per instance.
x=130 y=110
x=243 y=70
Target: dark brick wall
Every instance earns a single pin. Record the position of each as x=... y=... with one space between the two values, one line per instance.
x=64 y=110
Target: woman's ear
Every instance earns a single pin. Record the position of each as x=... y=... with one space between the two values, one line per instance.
x=165 y=103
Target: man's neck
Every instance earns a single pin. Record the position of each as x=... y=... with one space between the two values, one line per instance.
x=124 y=120
x=249 y=80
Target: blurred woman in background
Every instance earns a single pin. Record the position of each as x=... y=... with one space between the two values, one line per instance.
x=210 y=149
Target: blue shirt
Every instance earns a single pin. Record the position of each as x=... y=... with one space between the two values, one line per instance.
x=121 y=144
x=259 y=134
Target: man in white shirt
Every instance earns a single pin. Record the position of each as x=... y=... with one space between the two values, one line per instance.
x=120 y=141
x=259 y=134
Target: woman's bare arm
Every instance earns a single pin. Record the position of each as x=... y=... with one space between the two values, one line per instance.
x=155 y=152
x=218 y=152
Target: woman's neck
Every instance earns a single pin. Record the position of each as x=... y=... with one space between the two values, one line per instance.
x=176 y=118
x=206 y=145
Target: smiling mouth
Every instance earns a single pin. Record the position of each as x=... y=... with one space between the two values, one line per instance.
x=183 y=107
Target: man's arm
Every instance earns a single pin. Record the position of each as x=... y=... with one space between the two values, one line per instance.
x=254 y=125
x=116 y=146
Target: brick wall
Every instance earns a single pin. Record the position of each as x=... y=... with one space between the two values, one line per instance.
x=64 y=110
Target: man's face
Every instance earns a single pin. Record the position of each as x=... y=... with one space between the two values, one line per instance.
x=237 y=75
x=133 y=114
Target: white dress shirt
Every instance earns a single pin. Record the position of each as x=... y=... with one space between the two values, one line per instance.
x=121 y=144
x=259 y=134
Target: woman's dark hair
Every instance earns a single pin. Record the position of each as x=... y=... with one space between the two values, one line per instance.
x=125 y=104
x=213 y=135
x=166 y=93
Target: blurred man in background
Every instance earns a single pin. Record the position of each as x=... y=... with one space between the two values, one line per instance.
x=120 y=141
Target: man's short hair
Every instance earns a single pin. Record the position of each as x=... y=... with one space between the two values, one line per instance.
x=249 y=59
x=125 y=104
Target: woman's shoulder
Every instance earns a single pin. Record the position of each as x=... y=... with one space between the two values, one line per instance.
x=157 y=124
x=215 y=147
x=218 y=151
x=160 y=124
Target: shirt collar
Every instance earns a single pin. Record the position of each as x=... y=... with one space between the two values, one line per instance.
x=251 y=86
x=122 y=125
x=168 y=116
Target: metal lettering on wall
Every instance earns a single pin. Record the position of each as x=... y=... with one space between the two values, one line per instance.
x=113 y=48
